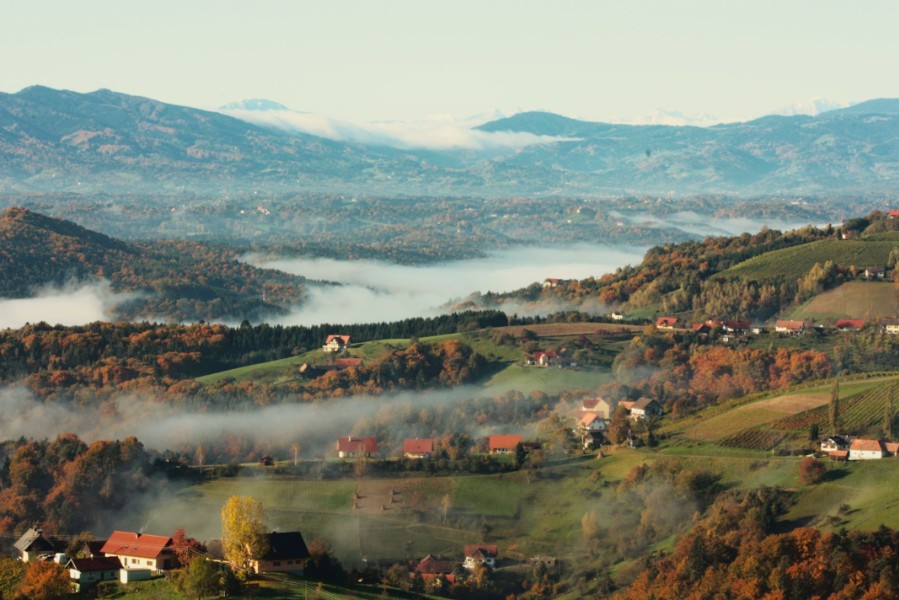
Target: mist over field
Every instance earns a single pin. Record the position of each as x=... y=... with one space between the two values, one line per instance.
x=73 y=304
x=381 y=291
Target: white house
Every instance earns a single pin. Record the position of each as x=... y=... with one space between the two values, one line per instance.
x=480 y=555
x=645 y=407
x=861 y=449
x=89 y=571
x=336 y=343
x=141 y=551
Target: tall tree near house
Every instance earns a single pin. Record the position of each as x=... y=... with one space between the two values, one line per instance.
x=295 y=448
x=834 y=408
x=243 y=531
x=44 y=581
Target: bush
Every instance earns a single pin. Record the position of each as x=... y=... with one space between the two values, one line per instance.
x=811 y=471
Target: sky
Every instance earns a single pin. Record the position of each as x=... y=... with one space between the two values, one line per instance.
x=367 y=61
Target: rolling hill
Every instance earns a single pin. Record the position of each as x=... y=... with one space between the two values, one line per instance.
x=175 y=280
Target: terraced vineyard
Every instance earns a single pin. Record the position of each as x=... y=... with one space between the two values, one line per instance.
x=792 y=263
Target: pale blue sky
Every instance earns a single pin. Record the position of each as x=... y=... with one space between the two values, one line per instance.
x=368 y=60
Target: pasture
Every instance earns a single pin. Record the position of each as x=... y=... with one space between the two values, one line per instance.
x=853 y=299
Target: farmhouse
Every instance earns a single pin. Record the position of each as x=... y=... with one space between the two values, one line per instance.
x=862 y=449
x=736 y=326
x=875 y=273
x=141 y=551
x=418 y=448
x=590 y=423
x=354 y=447
x=890 y=326
x=89 y=571
x=599 y=406
x=287 y=553
x=834 y=443
x=33 y=545
x=551 y=282
x=430 y=569
x=790 y=327
x=542 y=358
x=476 y=554
x=849 y=324
x=503 y=444
x=336 y=343
x=666 y=322
x=645 y=407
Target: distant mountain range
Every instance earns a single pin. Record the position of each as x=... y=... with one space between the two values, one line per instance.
x=103 y=141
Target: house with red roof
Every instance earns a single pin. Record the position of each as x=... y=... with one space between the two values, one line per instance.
x=862 y=449
x=503 y=444
x=598 y=405
x=141 y=551
x=480 y=554
x=431 y=569
x=356 y=447
x=418 y=448
x=790 y=327
x=666 y=322
x=849 y=324
x=336 y=343
x=86 y=572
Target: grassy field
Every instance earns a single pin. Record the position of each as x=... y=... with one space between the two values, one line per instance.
x=854 y=299
x=793 y=263
x=549 y=380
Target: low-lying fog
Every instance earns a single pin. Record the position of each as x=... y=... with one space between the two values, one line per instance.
x=381 y=291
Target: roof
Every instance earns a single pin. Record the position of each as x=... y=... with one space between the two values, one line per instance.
x=33 y=540
x=590 y=403
x=418 y=446
x=790 y=324
x=286 y=545
x=737 y=324
x=340 y=339
x=838 y=453
x=504 y=442
x=850 y=323
x=588 y=419
x=540 y=353
x=836 y=439
x=875 y=269
x=643 y=403
x=489 y=551
x=862 y=445
x=626 y=404
x=890 y=321
x=891 y=447
x=141 y=545
x=430 y=565
x=99 y=563
x=666 y=321
x=94 y=547
x=894 y=213
x=357 y=444
x=700 y=327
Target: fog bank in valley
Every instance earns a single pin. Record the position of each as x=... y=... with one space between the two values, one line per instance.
x=73 y=304
x=381 y=291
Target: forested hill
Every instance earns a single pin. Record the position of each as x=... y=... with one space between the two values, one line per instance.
x=170 y=279
x=747 y=276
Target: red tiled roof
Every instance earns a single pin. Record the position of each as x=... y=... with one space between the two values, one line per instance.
x=357 y=444
x=850 y=323
x=345 y=363
x=504 y=442
x=666 y=321
x=488 y=551
x=431 y=566
x=587 y=419
x=891 y=447
x=418 y=446
x=627 y=404
x=140 y=545
x=838 y=453
x=790 y=324
x=589 y=403
x=862 y=445
x=341 y=339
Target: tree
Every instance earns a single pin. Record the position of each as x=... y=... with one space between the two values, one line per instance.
x=243 y=531
x=834 y=408
x=811 y=470
x=296 y=449
x=619 y=426
x=184 y=545
x=44 y=581
x=200 y=578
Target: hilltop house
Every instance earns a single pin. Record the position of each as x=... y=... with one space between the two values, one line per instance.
x=418 y=448
x=862 y=449
x=666 y=322
x=336 y=343
x=287 y=553
x=503 y=444
x=551 y=282
x=834 y=443
x=34 y=545
x=476 y=554
x=355 y=447
x=645 y=407
x=139 y=551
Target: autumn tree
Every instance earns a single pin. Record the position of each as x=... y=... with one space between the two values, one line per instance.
x=44 y=581
x=199 y=579
x=243 y=531
x=184 y=546
x=811 y=470
x=619 y=426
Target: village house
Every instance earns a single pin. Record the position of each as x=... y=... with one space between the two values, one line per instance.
x=476 y=554
x=141 y=551
x=418 y=448
x=666 y=322
x=862 y=449
x=356 y=447
x=33 y=545
x=736 y=326
x=336 y=343
x=645 y=407
x=891 y=448
x=875 y=273
x=287 y=553
x=551 y=282
x=890 y=326
x=431 y=569
x=849 y=324
x=598 y=405
x=503 y=444
x=790 y=327
x=893 y=214
x=85 y=572
x=591 y=428
x=834 y=443
x=701 y=328
x=542 y=358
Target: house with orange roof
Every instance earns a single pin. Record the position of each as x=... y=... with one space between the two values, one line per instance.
x=666 y=322
x=418 y=448
x=356 y=447
x=790 y=327
x=503 y=444
x=336 y=343
x=431 y=569
x=849 y=324
x=862 y=449
x=141 y=551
